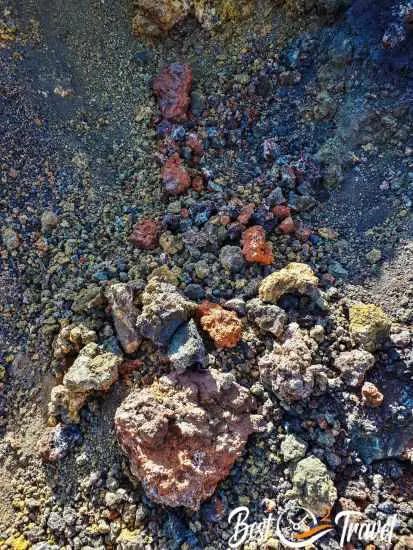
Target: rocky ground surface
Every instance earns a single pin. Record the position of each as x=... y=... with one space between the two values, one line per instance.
x=206 y=269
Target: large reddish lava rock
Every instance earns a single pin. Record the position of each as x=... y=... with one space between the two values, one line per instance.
x=223 y=326
x=175 y=176
x=145 y=234
x=173 y=87
x=255 y=248
x=183 y=434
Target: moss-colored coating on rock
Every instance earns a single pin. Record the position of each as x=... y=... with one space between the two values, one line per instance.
x=295 y=277
x=313 y=486
x=369 y=325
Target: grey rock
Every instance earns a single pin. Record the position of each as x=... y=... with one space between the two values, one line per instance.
x=313 y=486
x=231 y=258
x=125 y=314
x=293 y=448
x=56 y=523
x=238 y=305
x=49 y=221
x=93 y=369
x=268 y=318
x=354 y=365
x=10 y=239
x=186 y=348
x=164 y=311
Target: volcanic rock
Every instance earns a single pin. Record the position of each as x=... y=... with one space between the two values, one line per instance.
x=125 y=314
x=183 y=434
x=164 y=311
x=369 y=325
x=223 y=326
x=186 y=348
x=268 y=318
x=173 y=88
x=313 y=486
x=354 y=365
x=288 y=371
x=175 y=177
x=295 y=277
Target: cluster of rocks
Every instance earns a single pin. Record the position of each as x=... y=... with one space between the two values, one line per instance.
x=154 y=20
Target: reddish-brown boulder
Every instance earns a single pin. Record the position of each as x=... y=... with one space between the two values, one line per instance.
x=255 y=248
x=145 y=234
x=281 y=211
x=175 y=176
x=183 y=434
x=223 y=326
x=173 y=87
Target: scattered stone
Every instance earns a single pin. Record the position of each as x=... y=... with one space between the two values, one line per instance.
x=254 y=246
x=173 y=88
x=186 y=348
x=268 y=318
x=175 y=177
x=369 y=325
x=296 y=277
x=65 y=405
x=154 y=19
x=374 y=256
x=145 y=234
x=354 y=365
x=171 y=244
x=11 y=239
x=49 y=221
x=371 y=395
x=125 y=314
x=293 y=448
x=223 y=326
x=88 y=299
x=92 y=370
x=231 y=258
x=313 y=486
x=164 y=311
x=56 y=442
x=183 y=434
x=287 y=370
x=71 y=339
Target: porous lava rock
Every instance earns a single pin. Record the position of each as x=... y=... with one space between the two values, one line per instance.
x=254 y=246
x=288 y=371
x=164 y=311
x=223 y=326
x=313 y=486
x=294 y=278
x=186 y=348
x=183 y=433
x=267 y=317
x=175 y=176
x=124 y=313
x=369 y=325
x=145 y=234
x=173 y=87
x=354 y=365
x=71 y=340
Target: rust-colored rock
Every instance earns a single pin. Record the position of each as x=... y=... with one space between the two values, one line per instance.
x=281 y=211
x=145 y=234
x=287 y=226
x=246 y=213
x=173 y=87
x=255 y=248
x=371 y=395
x=175 y=176
x=222 y=325
x=183 y=434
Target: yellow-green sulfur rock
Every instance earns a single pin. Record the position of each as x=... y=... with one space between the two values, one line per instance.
x=295 y=277
x=369 y=325
x=153 y=19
